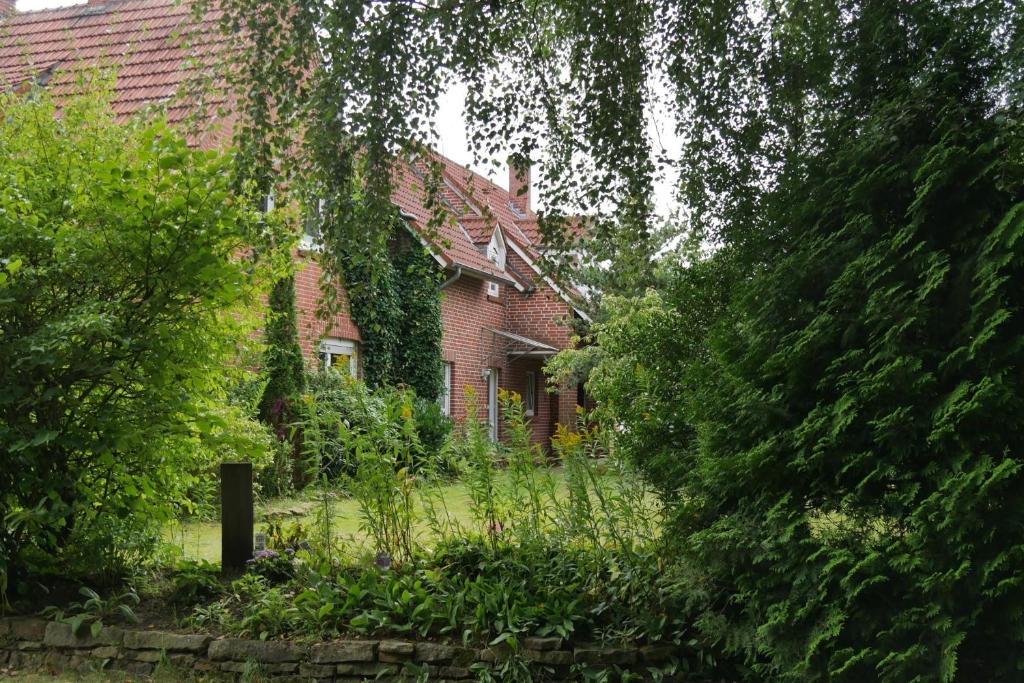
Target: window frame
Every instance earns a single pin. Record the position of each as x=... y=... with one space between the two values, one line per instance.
x=493 y=416
x=310 y=242
x=530 y=394
x=331 y=347
x=445 y=399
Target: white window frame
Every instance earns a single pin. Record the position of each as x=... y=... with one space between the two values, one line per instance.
x=445 y=399
x=312 y=242
x=493 y=289
x=332 y=347
x=492 y=403
x=530 y=394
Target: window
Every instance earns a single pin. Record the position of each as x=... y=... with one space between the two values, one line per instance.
x=530 y=394
x=339 y=354
x=268 y=202
x=493 y=289
x=492 y=403
x=445 y=399
x=311 y=226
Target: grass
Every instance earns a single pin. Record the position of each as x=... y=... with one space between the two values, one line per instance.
x=201 y=540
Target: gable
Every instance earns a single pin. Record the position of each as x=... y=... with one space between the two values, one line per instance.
x=496 y=250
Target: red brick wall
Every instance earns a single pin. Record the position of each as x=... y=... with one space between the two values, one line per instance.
x=311 y=328
x=545 y=316
x=467 y=315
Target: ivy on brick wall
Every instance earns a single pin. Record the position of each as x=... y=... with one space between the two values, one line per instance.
x=391 y=281
x=395 y=302
x=418 y=356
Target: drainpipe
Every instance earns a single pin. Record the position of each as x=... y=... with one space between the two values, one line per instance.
x=453 y=278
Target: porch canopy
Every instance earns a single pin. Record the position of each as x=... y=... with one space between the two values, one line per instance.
x=517 y=346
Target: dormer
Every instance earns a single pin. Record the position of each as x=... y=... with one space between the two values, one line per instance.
x=496 y=251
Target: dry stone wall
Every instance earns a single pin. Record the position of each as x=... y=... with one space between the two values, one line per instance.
x=38 y=645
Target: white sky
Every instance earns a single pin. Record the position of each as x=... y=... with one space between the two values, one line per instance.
x=451 y=126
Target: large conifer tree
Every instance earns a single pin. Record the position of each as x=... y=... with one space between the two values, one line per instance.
x=858 y=497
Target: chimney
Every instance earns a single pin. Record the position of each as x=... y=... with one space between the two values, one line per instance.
x=519 y=182
x=7 y=8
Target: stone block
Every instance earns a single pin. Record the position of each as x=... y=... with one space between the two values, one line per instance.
x=549 y=657
x=495 y=653
x=454 y=673
x=83 y=664
x=344 y=651
x=316 y=670
x=30 y=645
x=171 y=642
x=542 y=644
x=274 y=669
x=263 y=651
x=24 y=628
x=395 y=651
x=137 y=668
x=60 y=635
x=105 y=652
x=182 y=660
x=25 y=660
x=595 y=656
x=145 y=655
x=436 y=652
x=56 y=661
x=366 y=669
x=657 y=654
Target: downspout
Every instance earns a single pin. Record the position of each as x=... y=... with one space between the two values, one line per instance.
x=452 y=279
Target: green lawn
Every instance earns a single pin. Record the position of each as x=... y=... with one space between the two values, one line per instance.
x=201 y=540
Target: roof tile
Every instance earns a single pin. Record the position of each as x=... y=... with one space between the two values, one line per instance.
x=157 y=47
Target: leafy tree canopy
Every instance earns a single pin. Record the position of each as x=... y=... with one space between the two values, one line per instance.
x=123 y=286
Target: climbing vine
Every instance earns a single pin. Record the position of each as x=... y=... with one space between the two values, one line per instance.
x=418 y=358
x=395 y=302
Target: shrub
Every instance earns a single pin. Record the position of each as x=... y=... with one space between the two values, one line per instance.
x=194 y=581
x=231 y=435
x=95 y=612
x=122 y=305
x=275 y=567
x=432 y=426
x=338 y=404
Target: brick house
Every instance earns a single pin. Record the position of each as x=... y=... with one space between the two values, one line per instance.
x=501 y=317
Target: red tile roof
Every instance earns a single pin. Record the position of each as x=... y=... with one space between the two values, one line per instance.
x=158 y=49
x=155 y=47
